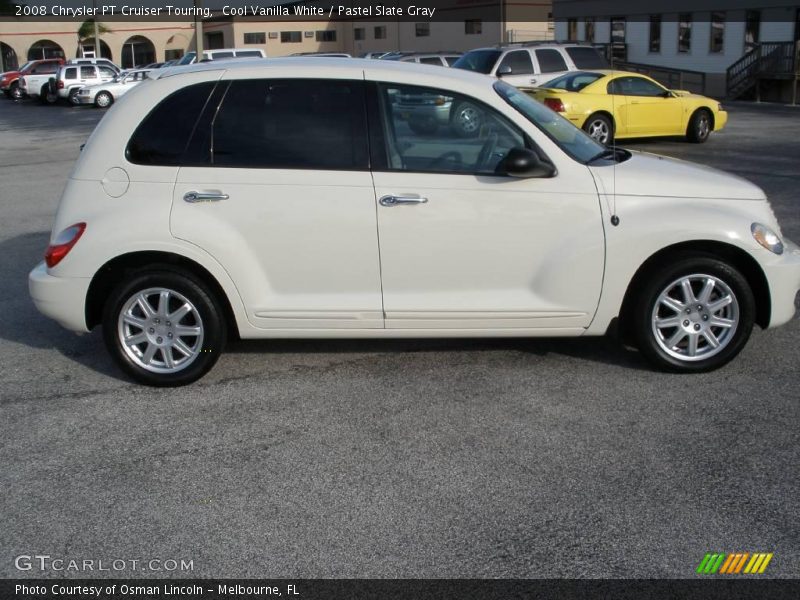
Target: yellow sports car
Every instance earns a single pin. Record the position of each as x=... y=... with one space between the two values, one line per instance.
x=619 y=104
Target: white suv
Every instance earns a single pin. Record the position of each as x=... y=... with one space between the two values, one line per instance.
x=72 y=77
x=532 y=64
x=291 y=200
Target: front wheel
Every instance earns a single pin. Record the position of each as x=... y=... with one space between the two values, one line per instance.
x=164 y=328
x=699 y=127
x=695 y=315
x=103 y=100
x=16 y=92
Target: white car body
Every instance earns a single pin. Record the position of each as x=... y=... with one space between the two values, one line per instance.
x=114 y=89
x=301 y=254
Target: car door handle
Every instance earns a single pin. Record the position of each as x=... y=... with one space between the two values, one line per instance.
x=204 y=196
x=533 y=80
x=398 y=200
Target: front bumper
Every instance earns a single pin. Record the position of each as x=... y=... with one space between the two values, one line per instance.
x=720 y=120
x=60 y=298
x=783 y=275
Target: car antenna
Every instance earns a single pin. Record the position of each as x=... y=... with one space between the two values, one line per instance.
x=614 y=216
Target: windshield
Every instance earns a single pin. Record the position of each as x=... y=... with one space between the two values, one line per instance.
x=187 y=58
x=573 y=82
x=480 y=61
x=25 y=66
x=568 y=137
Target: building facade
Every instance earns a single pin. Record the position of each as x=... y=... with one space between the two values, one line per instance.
x=136 y=43
x=698 y=35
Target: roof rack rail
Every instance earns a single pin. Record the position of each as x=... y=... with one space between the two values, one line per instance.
x=541 y=43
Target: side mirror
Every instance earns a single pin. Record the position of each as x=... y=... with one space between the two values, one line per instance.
x=504 y=70
x=524 y=163
x=668 y=94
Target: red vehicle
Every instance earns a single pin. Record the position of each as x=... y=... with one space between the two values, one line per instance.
x=9 y=81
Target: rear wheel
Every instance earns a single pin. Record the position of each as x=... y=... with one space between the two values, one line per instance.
x=699 y=127
x=600 y=128
x=164 y=328
x=695 y=315
x=103 y=100
x=48 y=95
x=73 y=96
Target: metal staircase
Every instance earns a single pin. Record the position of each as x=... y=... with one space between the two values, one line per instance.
x=767 y=61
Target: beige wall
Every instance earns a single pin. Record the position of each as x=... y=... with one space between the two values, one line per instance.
x=22 y=35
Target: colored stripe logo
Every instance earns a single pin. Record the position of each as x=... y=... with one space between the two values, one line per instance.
x=734 y=563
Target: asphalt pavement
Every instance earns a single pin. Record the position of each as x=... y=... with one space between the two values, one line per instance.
x=433 y=458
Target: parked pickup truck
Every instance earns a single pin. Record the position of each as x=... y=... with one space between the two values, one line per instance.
x=10 y=80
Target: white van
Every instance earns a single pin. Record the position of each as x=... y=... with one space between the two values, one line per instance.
x=222 y=53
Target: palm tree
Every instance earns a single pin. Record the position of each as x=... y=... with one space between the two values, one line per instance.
x=87 y=30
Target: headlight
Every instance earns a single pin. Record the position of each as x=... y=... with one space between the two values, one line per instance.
x=720 y=108
x=767 y=238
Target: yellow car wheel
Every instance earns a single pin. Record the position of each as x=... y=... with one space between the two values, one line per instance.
x=699 y=126
x=600 y=128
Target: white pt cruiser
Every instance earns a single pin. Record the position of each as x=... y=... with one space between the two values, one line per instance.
x=291 y=200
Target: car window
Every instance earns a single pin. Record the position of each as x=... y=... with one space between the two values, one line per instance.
x=107 y=72
x=218 y=55
x=480 y=61
x=519 y=61
x=574 y=82
x=71 y=73
x=585 y=57
x=436 y=131
x=550 y=60
x=45 y=68
x=634 y=86
x=431 y=60
x=568 y=137
x=87 y=72
x=163 y=135
x=292 y=124
x=450 y=60
x=248 y=53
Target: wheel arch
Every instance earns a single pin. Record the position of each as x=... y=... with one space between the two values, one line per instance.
x=118 y=268
x=710 y=115
x=603 y=112
x=734 y=255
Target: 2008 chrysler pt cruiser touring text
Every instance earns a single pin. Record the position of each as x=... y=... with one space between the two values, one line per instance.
x=290 y=198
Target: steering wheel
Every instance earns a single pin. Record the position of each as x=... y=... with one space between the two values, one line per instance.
x=453 y=156
x=486 y=152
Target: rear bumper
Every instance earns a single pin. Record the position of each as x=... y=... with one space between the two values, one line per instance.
x=62 y=299
x=783 y=276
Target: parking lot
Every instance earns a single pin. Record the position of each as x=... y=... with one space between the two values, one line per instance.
x=413 y=458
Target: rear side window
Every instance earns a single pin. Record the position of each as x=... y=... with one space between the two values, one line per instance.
x=162 y=136
x=550 y=61
x=431 y=60
x=71 y=73
x=586 y=58
x=292 y=124
x=248 y=53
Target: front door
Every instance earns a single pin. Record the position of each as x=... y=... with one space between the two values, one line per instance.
x=648 y=110
x=464 y=248
x=283 y=200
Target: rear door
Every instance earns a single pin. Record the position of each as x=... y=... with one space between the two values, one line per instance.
x=276 y=187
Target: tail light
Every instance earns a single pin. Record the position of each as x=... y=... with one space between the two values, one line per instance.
x=60 y=84
x=554 y=104
x=63 y=244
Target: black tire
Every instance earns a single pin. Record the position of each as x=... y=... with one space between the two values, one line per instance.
x=48 y=95
x=15 y=92
x=699 y=127
x=103 y=99
x=72 y=98
x=207 y=314
x=653 y=341
x=600 y=128
x=466 y=119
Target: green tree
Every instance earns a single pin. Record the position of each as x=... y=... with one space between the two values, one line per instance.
x=86 y=31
